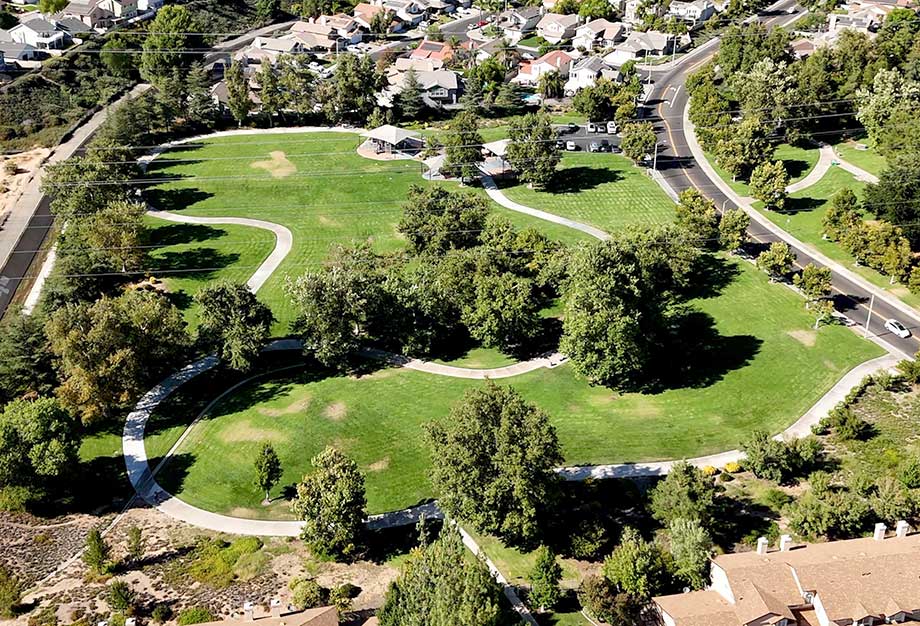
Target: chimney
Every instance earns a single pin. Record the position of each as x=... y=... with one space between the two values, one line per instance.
x=762 y=544
x=785 y=542
x=879 y=534
x=248 y=611
x=275 y=606
x=902 y=528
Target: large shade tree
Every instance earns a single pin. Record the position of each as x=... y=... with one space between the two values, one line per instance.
x=492 y=463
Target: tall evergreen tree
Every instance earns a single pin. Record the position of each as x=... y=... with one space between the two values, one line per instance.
x=238 y=93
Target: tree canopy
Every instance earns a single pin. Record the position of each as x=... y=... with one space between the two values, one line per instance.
x=234 y=323
x=38 y=442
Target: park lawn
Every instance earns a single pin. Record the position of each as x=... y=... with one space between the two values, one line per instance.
x=313 y=183
x=869 y=159
x=225 y=252
x=765 y=368
x=803 y=218
x=798 y=161
x=604 y=190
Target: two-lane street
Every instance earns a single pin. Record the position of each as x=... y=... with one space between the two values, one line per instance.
x=665 y=106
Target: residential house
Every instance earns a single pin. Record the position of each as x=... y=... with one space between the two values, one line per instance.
x=435 y=50
x=599 y=33
x=90 y=12
x=13 y=51
x=639 y=45
x=121 y=9
x=632 y=12
x=149 y=5
x=326 y=33
x=860 y=22
x=364 y=15
x=404 y=64
x=585 y=72
x=268 y=49
x=482 y=50
x=518 y=23
x=39 y=33
x=554 y=27
x=694 y=12
x=439 y=87
x=858 y=582
x=221 y=97
x=530 y=72
x=76 y=30
x=406 y=11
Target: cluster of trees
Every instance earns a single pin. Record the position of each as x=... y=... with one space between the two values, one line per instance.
x=608 y=100
x=472 y=275
x=441 y=586
x=684 y=503
x=880 y=245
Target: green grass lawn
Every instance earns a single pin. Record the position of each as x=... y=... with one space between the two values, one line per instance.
x=764 y=369
x=803 y=218
x=798 y=161
x=313 y=183
x=234 y=253
x=534 y=41
x=869 y=159
x=604 y=190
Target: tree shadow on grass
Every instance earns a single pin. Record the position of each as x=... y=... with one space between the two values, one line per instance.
x=176 y=234
x=197 y=263
x=796 y=167
x=581 y=178
x=741 y=520
x=700 y=356
x=175 y=199
x=710 y=275
x=801 y=205
x=385 y=544
x=172 y=475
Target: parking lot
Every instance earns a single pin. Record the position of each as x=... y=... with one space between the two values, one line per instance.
x=583 y=138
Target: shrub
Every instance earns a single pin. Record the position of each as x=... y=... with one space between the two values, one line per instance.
x=194 y=615
x=306 y=593
x=217 y=563
x=776 y=499
x=588 y=540
x=10 y=593
x=15 y=499
x=117 y=619
x=909 y=472
x=121 y=597
x=710 y=471
x=161 y=613
x=597 y=596
x=848 y=426
x=732 y=467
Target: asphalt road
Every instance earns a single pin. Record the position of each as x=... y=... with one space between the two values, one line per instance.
x=665 y=107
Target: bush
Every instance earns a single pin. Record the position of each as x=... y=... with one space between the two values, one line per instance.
x=10 y=593
x=776 y=499
x=306 y=593
x=15 y=499
x=710 y=471
x=194 y=615
x=588 y=540
x=848 y=426
x=217 y=563
x=909 y=472
x=597 y=597
x=161 y=613
x=733 y=467
x=121 y=597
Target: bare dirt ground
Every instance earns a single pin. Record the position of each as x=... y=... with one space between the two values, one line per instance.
x=11 y=184
x=35 y=548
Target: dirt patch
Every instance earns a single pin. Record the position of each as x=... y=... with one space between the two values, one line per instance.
x=805 y=337
x=279 y=166
x=245 y=431
x=297 y=406
x=336 y=411
x=381 y=465
x=15 y=173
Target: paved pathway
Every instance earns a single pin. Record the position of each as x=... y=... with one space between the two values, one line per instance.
x=284 y=240
x=856 y=171
x=549 y=361
x=495 y=193
x=825 y=160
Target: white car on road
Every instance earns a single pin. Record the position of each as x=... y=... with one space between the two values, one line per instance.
x=897 y=328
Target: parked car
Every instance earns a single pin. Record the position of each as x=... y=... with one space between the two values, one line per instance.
x=571 y=146
x=615 y=149
x=573 y=128
x=592 y=127
x=594 y=147
x=605 y=145
x=560 y=144
x=896 y=327
x=611 y=128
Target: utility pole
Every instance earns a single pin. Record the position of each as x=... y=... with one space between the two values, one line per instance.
x=869 y=318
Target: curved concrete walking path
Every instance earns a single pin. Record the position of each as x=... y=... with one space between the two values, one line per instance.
x=826 y=158
x=488 y=183
x=439 y=369
x=858 y=172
